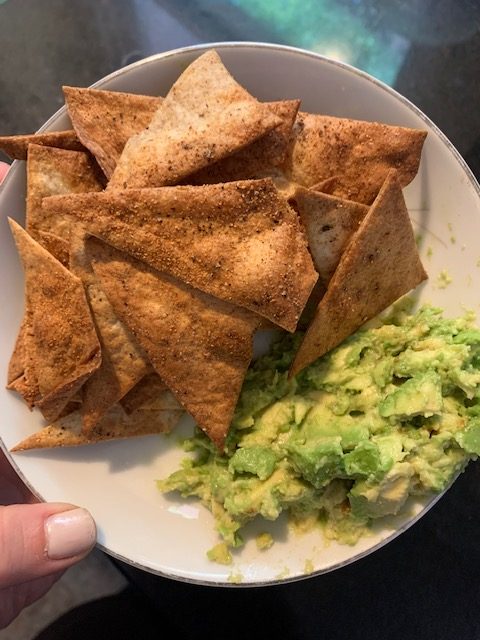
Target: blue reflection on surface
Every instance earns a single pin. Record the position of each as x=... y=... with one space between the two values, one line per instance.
x=353 y=31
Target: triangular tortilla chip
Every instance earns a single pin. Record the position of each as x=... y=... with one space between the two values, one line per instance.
x=381 y=263
x=200 y=346
x=146 y=391
x=105 y=120
x=205 y=117
x=359 y=154
x=238 y=241
x=16 y=366
x=17 y=146
x=26 y=384
x=19 y=377
x=124 y=363
x=53 y=172
x=259 y=159
x=66 y=349
x=329 y=223
x=67 y=431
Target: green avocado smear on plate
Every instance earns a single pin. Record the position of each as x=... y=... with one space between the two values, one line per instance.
x=393 y=411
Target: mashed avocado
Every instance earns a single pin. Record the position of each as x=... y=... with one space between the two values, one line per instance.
x=391 y=412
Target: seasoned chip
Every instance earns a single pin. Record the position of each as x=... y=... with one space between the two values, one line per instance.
x=63 y=342
x=124 y=363
x=17 y=146
x=329 y=223
x=359 y=154
x=146 y=391
x=380 y=264
x=67 y=431
x=200 y=346
x=105 y=120
x=205 y=117
x=239 y=241
x=55 y=171
x=51 y=171
x=16 y=366
x=26 y=384
x=260 y=159
x=20 y=376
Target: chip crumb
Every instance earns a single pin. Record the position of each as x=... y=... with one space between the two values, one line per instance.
x=235 y=578
x=308 y=567
x=444 y=279
x=264 y=541
x=429 y=252
x=283 y=574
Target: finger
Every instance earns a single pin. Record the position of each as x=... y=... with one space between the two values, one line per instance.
x=4 y=167
x=40 y=539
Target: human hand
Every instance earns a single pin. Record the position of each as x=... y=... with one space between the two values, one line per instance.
x=37 y=541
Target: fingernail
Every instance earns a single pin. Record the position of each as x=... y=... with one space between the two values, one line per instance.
x=69 y=533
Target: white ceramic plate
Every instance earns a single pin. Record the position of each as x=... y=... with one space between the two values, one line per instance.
x=115 y=481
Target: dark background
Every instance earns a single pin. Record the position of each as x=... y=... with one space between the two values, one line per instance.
x=425 y=584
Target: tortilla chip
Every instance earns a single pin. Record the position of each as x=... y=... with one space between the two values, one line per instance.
x=238 y=241
x=380 y=264
x=205 y=117
x=359 y=154
x=67 y=431
x=146 y=391
x=260 y=159
x=53 y=172
x=16 y=366
x=16 y=147
x=105 y=120
x=200 y=346
x=329 y=223
x=19 y=376
x=27 y=383
x=65 y=350
x=124 y=363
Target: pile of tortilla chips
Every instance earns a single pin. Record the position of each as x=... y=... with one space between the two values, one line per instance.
x=162 y=233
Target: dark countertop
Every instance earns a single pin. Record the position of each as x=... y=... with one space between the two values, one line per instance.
x=426 y=583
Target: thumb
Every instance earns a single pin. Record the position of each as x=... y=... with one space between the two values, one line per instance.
x=40 y=539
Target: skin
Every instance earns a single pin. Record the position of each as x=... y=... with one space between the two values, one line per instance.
x=26 y=572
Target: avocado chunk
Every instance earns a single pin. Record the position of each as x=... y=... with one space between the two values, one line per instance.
x=420 y=395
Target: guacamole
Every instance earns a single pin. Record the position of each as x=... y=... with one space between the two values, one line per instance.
x=393 y=411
